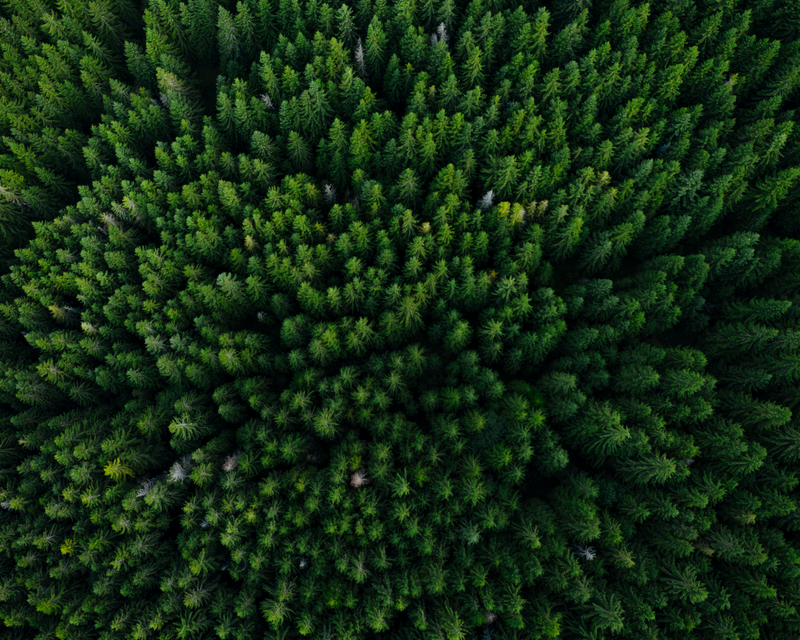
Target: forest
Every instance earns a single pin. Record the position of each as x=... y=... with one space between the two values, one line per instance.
x=399 y=319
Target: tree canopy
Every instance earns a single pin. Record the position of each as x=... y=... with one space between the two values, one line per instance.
x=413 y=319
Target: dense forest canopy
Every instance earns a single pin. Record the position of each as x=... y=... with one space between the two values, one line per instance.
x=413 y=319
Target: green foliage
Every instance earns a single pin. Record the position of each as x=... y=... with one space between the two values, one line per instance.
x=452 y=319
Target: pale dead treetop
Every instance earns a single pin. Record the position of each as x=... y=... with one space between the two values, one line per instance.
x=359 y=479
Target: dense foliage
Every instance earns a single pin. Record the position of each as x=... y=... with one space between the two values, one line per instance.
x=414 y=319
